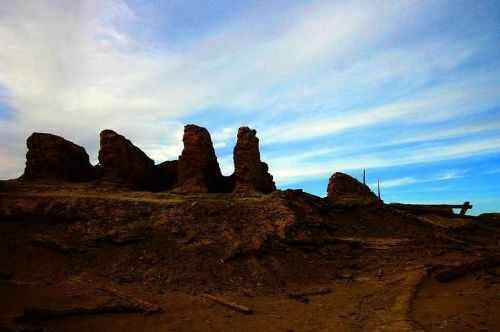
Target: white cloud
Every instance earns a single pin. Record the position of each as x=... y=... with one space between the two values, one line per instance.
x=10 y=164
x=293 y=168
x=226 y=164
x=317 y=69
x=396 y=182
x=69 y=70
x=446 y=175
x=446 y=133
x=451 y=174
x=435 y=105
x=224 y=136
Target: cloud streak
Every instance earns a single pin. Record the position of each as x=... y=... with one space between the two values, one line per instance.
x=329 y=85
x=293 y=169
x=447 y=175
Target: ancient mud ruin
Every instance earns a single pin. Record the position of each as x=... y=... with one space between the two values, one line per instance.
x=197 y=170
x=121 y=161
x=51 y=157
x=250 y=173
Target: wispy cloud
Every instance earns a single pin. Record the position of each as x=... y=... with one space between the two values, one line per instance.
x=451 y=174
x=434 y=105
x=303 y=75
x=396 y=182
x=446 y=133
x=294 y=169
x=446 y=175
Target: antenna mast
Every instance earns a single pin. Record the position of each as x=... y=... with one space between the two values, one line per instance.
x=378 y=188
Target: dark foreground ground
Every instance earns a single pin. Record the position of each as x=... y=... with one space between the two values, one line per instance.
x=84 y=258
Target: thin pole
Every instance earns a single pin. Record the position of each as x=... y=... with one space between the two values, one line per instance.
x=364 y=176
x=378 y=188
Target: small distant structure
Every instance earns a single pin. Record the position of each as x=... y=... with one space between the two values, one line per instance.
x=364 y=176
x=440 y=209
x=466 y=206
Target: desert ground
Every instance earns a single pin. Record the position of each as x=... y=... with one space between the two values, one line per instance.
x=80 y=257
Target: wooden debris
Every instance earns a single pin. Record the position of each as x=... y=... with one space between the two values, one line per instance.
x=303 y=296
x=369 y=243
x=16 y=327
x=48 y=242
x=114 y=302
x=231 y=305
x=318 y=291
x=121 y=239
x=463 y=269
x=440 y=209
x=450 y=239
x=110 y=307
x=145 y=307
x=464 y=208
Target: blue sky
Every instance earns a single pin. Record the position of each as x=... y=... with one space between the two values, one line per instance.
x=409 y=90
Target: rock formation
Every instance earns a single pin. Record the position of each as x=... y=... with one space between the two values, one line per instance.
x=51 y=157
x=121 y=161
x=198 y=169
x=250 y=173
x=346 y=189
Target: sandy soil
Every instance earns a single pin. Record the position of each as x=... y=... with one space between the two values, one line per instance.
x=140 y=266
